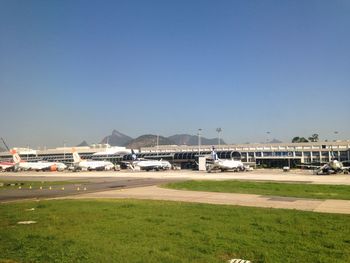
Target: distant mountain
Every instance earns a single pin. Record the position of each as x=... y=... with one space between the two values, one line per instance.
x=116 y=139
x=148 y=140
x=83 y=143
x=186 y=139
x=274 y=140
x=119 y=139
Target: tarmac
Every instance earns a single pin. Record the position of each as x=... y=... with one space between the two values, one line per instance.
x=157 y=193
x=301 y=176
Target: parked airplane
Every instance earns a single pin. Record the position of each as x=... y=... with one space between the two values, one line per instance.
x=36 y=166
x=224 y=165
x=332 y=167
x=5 y=166
x=90 y=164
x=143 y=164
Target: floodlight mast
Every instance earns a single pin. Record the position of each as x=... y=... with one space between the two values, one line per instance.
x=64 y=150
x=335 y=140
x=268 y=136
x=199 y=141
x=219 y=130
x=336 y=135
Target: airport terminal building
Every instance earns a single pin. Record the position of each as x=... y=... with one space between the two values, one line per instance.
x=258 y=155
x=271 y=155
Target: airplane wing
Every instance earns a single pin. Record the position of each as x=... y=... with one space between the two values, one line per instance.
x=95 y=166
x=309 y=166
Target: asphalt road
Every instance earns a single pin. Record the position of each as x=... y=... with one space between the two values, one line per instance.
x=84 y=185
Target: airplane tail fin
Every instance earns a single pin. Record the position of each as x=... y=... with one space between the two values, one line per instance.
x=332 y=155
x=133 y=155
x=214 y=155
x=76 y=156
x=15 y=156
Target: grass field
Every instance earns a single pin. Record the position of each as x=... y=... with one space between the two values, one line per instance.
x=10 y=184
x=267 y=188
x=158 y=231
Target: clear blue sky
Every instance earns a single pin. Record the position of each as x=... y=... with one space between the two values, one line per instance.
x=74 y=70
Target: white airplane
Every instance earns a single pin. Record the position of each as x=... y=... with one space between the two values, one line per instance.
x=36 y=166
x=143 y=164
x=224 y=165
x=332 y=167
x=90 y=164
x=5 y=166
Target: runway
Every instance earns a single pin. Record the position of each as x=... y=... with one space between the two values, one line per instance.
x=87 y=185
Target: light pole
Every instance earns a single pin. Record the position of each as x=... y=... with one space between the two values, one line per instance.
x=64 y=150
x=335 y=135
x=268 y=136
x=199 y=142
x=219 y=130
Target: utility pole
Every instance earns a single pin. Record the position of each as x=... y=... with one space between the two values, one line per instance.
x=268 y=136
x=199 y=142
x=64 y=150
x=335 y=135
x=219 y=130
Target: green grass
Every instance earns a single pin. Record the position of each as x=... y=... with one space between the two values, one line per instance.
x=9 y=184
x=317 y=191
x=159 y=231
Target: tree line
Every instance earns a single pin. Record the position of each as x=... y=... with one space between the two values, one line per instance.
x=312 y=138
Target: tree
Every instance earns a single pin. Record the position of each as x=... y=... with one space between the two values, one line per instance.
x=302 y=139
x=299 y=139
x=313 y=137
x=295 y=139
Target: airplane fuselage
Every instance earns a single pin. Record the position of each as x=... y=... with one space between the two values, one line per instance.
x=95 y=165
x=151 y=165
x=6 y=165
x=333 y=167
x=41 y=166
x=225 y=165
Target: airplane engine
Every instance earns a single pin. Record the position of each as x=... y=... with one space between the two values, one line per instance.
x=53 y=168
